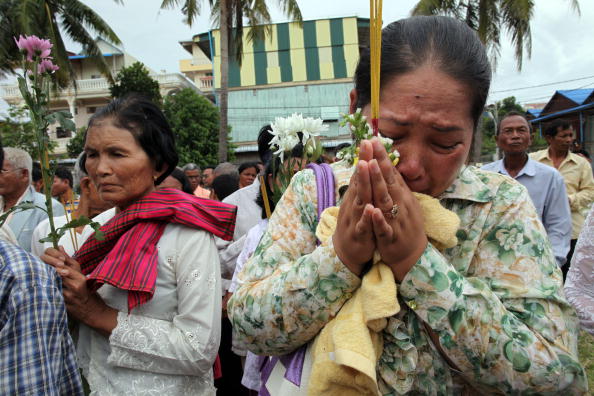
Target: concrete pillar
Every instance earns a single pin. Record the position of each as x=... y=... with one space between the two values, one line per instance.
x=72 y=106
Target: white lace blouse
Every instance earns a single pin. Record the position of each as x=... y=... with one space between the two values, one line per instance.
x=579 y=285
x=168 y=345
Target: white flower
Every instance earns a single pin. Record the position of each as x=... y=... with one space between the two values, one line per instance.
x=313 y=127
x=285 y=132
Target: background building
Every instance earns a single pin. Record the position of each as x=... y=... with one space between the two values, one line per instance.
x=575 y=106
x=298 y=68
x=92 y=89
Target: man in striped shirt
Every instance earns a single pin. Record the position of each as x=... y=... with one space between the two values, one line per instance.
x=37 y=356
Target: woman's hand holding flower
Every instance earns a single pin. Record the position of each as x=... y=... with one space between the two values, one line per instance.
x=82 y=304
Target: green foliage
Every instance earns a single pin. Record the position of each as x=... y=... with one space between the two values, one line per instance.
x=135 y=78
x=76 y=145
x=195 y=122
x=491 y=19
x=17 y=131
x=498 y=110
x=57 y=20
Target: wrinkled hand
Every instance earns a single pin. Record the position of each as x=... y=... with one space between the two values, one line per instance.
x=353 y=239
x=400 y=240
x=82 y=304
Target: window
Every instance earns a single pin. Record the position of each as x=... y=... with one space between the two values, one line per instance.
x=62 y=133
x=91 y=110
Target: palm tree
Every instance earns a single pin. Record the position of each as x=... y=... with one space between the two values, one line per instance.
x=488 y=18
x=51 y=19
x=233 y=13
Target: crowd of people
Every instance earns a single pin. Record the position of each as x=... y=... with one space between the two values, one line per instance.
x=204 y=283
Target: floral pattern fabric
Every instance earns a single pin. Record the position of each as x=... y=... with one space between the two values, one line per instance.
x=494 y=301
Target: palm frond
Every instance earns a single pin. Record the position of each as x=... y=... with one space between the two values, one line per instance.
x=291 y=9
x=25 y=12
x=516 y=16
x=76 y=30
x=190 y=8
x=90 y=19
x=575 y=6
x=66 y=73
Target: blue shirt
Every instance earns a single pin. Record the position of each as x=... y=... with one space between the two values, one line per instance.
x=37 y=356
x=546 y=188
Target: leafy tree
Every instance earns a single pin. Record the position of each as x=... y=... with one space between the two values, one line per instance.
x=489 y=18
x=135 y=78
x=195 y=122
x=76 y=145
x=496 y=112
x=52 y=19
x=18 y=132
x=233 y=13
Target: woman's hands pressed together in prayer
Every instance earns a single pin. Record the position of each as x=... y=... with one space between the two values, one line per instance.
x=366 y=221
x=81 y=303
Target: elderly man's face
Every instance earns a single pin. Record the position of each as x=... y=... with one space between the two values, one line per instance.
x=13 y=180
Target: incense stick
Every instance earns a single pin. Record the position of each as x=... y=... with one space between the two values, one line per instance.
x=375 y=45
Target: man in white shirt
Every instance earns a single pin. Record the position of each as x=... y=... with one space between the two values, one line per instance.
x=545 y=184
x=15 y=187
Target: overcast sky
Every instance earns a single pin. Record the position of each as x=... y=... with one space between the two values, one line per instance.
x=560 y=39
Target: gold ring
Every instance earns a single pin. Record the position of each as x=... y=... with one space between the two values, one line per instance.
x=392 y=213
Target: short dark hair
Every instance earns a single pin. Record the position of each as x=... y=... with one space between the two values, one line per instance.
x=183 y=179
x=147 y=123
x=225 y=185
x=209 y=167
x=36 y=172
x=513 y=113
x=64 y=174
x=449 y=44
x=248 y=165
x=557 y=126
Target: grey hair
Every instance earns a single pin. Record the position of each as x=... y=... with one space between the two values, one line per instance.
x=190 y=166
x=78 y=173
x=225 y=168
x=19 y=159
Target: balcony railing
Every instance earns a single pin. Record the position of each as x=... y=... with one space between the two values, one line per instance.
x=100 y=86
x=206 y=82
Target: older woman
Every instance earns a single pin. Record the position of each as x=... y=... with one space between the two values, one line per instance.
x=486 y=316
x=149 y=305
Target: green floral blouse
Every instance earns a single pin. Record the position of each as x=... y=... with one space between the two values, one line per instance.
x=495 y=300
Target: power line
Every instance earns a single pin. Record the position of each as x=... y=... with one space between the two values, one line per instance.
x=542 y=85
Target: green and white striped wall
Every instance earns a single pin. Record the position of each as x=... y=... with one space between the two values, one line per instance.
x=325 y=49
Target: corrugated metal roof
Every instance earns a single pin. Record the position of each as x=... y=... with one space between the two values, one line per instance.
x=563 y=112
x=578 y=96
x=86 y=56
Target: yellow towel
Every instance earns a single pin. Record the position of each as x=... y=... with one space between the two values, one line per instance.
x=345 y=353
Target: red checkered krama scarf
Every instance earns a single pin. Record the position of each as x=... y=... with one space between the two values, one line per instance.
x=127 y=257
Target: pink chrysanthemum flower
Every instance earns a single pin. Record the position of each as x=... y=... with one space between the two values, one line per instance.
x=34 y=46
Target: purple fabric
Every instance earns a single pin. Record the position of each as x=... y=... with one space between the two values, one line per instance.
x=293 y=361
x=324 y=186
